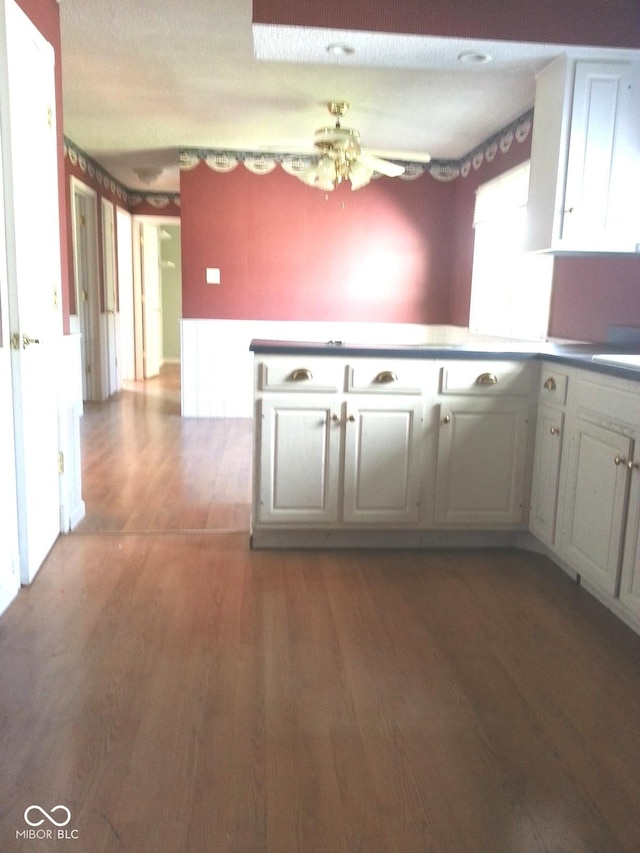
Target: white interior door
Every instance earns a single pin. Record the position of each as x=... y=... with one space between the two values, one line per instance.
x=126 y=337
x=151 y=300
x=112 y=355
x=85 y=267
x=9 y=559
x=33 y=260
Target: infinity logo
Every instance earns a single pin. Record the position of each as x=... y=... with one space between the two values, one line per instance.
x=47 y=815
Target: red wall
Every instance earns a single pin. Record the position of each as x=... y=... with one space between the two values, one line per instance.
x=592 y=293
x=394 y=251
x=594 y=22
x=290 y=252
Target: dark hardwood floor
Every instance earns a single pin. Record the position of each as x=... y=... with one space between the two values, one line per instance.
x=179 y=693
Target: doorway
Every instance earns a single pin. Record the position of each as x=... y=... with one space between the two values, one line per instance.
x=86 y=319
x=157 y=294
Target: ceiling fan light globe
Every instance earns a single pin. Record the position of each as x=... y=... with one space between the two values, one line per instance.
x=359 y=175
x=326 y=170
x=309 y=175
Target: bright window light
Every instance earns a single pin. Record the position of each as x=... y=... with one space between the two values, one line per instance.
x=510 y=288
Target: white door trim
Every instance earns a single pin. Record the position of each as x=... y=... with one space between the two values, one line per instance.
x=138 y=222
x=87 y=299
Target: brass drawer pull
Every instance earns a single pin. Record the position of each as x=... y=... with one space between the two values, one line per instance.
x=385 y=377
x=487 y=379
x=301 y=374
x=550 y=384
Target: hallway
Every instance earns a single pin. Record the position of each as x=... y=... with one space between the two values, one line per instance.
x=147 y=469
x=176 y=692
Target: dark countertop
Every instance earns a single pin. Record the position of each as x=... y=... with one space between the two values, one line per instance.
x=576 y=355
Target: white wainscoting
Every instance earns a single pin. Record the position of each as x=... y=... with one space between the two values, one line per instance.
x=217 y=366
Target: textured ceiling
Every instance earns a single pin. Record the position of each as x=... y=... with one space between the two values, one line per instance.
x=144 y=78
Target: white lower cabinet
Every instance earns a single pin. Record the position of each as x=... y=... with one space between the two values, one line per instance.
x=299 y=457
x=327 y=461
x=382 y=461
x=599 y=504
x=553 y=388
x=482 y=458
x=595 y=502
x=546 y=474
x=484 y=444
x=630 y=574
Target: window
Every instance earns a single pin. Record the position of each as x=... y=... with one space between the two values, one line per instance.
x=510 y=288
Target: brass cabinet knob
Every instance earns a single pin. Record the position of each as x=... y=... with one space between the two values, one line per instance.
x=554 y=431
x=352 y=418
x=446 y=419
x=630 y=464
x=335 y=418
x=550 y=384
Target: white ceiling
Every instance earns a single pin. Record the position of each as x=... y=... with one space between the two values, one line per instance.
x=144 y=78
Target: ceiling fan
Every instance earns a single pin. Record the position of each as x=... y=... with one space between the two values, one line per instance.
x=342 y=158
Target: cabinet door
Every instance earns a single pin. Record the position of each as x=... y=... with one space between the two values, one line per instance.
x=546 y=474
x=299 y=460
x=630 y=577
x=584 y=161
x=383 y=461
x=598 y=204
x=594 y=504
x=481 y=463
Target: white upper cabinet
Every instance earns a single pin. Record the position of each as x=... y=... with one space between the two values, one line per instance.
x=585 y=158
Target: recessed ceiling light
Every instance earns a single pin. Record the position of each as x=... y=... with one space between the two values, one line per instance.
x=474 y=57
x=340 y=49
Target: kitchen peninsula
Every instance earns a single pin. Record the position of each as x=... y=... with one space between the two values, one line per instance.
x=455 y=445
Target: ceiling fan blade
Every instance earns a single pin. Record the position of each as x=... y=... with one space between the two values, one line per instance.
x=384 y=167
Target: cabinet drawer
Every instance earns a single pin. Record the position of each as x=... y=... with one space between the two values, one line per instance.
x=553 y=386
x=387 y=376
x=300 y=374
x=610 y=401
x=486 y=378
